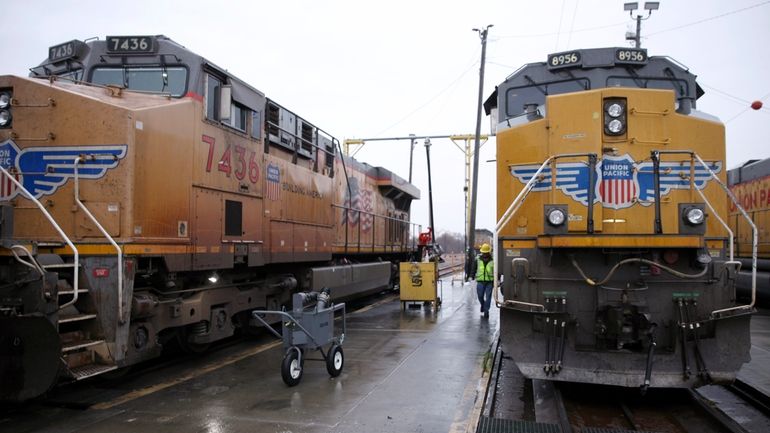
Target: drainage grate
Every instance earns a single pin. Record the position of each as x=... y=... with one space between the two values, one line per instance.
x=498 y=425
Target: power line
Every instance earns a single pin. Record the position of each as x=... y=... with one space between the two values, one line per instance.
x=561 y=18
x=572 y=26
x=744 y=110
x=540 y=35
x=428 y=101
x=708 y=19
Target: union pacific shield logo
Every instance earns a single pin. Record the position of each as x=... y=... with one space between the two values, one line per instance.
x=8 y=153
x=619 y=186
x=42 y=170
x=620 y=182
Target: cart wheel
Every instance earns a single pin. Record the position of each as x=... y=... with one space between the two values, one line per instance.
x=291 y=368
x=335 y=360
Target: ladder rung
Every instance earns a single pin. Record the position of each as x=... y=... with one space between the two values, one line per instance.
x=82 y=344
x=75 y=317
x=72 y=292
x=61 y=265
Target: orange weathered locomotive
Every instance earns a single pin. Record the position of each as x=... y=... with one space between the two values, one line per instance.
x=150 y=196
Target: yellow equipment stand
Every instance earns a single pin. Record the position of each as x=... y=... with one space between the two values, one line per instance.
x=419 y=283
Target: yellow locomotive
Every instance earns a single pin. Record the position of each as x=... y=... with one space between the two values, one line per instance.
x=150 y=196
x=614 y=257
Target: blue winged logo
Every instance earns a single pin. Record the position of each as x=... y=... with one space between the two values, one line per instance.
x=571 y=179
x=673 y=175
x=619 y=181
x=42 y=170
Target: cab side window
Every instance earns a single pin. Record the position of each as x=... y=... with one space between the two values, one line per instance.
x=213 y=84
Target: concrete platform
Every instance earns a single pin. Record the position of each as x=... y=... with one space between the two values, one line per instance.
x=757 y=372
x=405 y=371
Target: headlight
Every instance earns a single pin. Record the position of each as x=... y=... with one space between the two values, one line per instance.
x=5 y=118
x=695 y=216
x=5 y=100
x=615 y=126
x=615 y=110
x=556 y=217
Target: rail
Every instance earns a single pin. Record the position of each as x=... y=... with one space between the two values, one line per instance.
x=76 y=256
x=88 y=213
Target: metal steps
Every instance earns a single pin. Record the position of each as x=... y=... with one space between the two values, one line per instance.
x=81 y=344
x=91 y=370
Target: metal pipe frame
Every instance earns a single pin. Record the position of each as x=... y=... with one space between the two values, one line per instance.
x=512 y=209
x=76 y=256
x=755 y=235
x=115 y=245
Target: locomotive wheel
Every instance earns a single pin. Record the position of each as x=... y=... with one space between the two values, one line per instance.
x=335 y=360
x=291 y=367
x=29 y=357
x=182 y=338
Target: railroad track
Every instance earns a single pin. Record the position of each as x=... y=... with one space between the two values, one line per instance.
x=449 y=269
x=579 y=408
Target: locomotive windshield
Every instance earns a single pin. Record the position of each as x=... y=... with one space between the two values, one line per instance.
x=171 y=79
x=589 y=69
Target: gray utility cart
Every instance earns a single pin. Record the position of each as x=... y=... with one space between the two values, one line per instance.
x=309 y=326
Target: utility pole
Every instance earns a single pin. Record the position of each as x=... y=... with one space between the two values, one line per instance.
x=474 y=185
x=631 y=7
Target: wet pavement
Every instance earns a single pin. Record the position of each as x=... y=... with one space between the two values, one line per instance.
x=405 y=371
x=757 y=372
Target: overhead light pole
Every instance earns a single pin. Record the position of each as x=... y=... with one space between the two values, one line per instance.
x=631 y=7
x=474 y=185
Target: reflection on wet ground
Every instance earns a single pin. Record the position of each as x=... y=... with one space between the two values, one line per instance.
x=405 y=370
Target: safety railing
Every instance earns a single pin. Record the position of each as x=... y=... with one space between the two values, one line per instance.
x=755 y=235
x=109 y=238
x=396 y=238
x=511 y=211
x=76 y=257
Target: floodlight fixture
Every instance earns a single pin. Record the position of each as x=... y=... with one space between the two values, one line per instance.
x=631 y=6
x=651 y=6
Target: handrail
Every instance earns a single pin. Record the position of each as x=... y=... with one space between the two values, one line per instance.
x=76 y=263
x=88 y=213
x=512 y=209
x=346 y=209
x=755 y=235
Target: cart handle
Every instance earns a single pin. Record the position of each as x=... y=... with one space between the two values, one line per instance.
x=291 y=318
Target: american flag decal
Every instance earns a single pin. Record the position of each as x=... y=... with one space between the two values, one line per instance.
x=360 y=208
x=273 y=184
x=618 y=187
x=7 y=188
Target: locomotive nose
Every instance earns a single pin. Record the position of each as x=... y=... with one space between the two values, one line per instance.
x=29 y=357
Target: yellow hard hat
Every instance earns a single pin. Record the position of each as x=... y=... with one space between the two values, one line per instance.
x=485 y=248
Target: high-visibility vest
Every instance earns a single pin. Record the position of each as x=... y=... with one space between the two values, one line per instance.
x=485 y=272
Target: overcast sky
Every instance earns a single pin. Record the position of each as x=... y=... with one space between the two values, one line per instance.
x=361 y=69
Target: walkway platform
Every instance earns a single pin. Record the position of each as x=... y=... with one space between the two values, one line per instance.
x=405 y=371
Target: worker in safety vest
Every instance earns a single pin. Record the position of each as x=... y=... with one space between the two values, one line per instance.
x=485 y=272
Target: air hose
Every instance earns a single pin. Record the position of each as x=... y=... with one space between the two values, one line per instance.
x=671 y=271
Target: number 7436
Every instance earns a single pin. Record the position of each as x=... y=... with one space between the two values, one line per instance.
x=225 y=164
